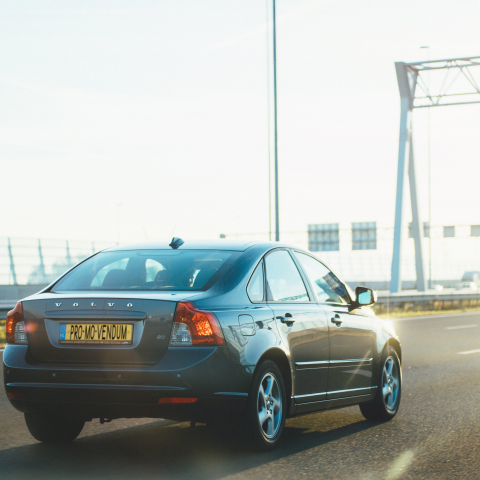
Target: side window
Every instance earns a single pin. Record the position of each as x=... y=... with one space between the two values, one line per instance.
x=255 y=289
x=327 y=286
x=284 y=283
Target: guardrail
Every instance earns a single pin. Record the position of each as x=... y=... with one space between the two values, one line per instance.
x=415 y=302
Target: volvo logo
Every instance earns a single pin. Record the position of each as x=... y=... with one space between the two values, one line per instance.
x=129 y=305
x=75 y=304
x=58 y=304
x=111 y=304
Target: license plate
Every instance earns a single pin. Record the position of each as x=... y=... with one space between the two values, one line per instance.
x=100 y=333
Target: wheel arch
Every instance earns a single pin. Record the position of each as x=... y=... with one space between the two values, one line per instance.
x=280 y=358
x=393 y=342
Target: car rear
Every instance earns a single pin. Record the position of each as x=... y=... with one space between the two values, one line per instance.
x=131 y=343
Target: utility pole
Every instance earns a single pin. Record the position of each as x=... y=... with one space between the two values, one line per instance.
x=269 y=127
x=277 y=217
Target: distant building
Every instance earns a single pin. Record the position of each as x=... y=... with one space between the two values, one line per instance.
x=324 y=237
x=364 y=235
x=449 y=232
x=475 y=230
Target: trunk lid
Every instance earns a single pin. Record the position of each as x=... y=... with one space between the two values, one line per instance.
x=151 y=319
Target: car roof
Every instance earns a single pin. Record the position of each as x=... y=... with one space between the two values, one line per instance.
x=231 y=245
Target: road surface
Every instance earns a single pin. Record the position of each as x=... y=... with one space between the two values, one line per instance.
x=436 y=434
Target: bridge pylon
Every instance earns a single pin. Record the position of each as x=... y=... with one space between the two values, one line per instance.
x=410 y=76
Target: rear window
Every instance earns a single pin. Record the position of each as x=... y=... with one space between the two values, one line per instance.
x=147 y=270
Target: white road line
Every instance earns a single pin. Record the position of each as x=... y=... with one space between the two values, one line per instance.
x=468 y=352
x=458 y=327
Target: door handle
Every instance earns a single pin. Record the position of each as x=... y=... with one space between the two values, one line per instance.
x=288 y=319
x=337 y=320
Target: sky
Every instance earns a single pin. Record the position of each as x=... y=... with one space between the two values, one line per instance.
x=140 y=120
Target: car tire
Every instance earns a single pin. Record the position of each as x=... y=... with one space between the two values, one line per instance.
x=389 y=389
x=50 y=429
x=264 y=418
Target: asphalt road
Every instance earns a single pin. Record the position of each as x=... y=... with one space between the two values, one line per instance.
x=436 y=434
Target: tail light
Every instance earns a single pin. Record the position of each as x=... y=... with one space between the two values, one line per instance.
x=15 y=327
x=195 y=327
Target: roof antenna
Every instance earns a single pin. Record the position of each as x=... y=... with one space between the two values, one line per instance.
x=176 y=242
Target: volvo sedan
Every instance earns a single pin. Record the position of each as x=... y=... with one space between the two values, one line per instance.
x=219 y=332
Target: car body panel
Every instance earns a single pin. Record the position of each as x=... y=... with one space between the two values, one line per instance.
x=151 y=320
x=352 y=347
x=247 y=349
x=308 y=345
x=204 y=372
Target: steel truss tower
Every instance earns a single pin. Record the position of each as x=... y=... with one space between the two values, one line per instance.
x=410 y=76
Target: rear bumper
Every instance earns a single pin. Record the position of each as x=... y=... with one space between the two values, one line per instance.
x=206 y=373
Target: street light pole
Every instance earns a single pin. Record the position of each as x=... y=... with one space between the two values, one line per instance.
x=277 y=217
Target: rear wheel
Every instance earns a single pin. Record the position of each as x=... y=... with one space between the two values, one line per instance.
x=49 y=429
x=389 y=389
x=266 y=407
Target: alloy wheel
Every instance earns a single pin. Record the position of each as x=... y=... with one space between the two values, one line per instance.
x=390 y=384
x=269 y=405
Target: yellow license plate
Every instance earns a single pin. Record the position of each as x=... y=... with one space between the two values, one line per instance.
x=101 y=333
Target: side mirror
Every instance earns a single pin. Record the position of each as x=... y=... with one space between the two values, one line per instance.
x=364 y=297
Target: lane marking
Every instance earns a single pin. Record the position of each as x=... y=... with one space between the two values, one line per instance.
x=468 y=352
x=458 y=327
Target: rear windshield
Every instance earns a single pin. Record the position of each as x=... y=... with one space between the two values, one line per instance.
x=147 y=270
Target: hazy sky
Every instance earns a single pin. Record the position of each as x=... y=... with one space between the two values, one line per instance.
x=161 y=106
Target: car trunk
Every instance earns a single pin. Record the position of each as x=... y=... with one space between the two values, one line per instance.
x=150 y=320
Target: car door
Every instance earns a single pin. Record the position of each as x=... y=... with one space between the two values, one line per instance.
x=301 y=323
x=351 y=335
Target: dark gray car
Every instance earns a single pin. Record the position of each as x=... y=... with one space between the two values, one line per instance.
x=209 y=332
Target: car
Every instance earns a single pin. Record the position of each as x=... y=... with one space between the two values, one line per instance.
x=466 y=286
x=226 y=333
x=471 y=276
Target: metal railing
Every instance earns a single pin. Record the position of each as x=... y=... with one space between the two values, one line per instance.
x=39 y=261
x=430 y=301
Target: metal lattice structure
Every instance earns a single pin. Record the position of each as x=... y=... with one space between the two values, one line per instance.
x=458 y=87
x=29 y=261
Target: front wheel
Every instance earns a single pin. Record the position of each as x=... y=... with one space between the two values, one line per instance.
x=49 y=429
x=266 y=408
x=389 y=389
